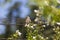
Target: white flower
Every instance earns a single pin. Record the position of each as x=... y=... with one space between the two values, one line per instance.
x=32 y=27
x=27 y=25
x=46 y=3
x=34 y=37
x=36 y=19
x=44 y=26
x=35 y=11
x=37 y=14
x=58 y=23
x=58 y=32
x=19 y=33
x=34 y=24
x=42 y=38
x=58 y=1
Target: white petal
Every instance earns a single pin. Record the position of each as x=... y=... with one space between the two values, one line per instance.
x=19 y=33
x=32 y=27
x=36 y=11
x=44 y=26
x=34 y=37
x=34 y=24
x=58 y=23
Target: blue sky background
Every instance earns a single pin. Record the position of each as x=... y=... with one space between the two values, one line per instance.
x=4 y=11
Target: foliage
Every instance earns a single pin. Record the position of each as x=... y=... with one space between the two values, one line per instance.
x=40 y=30
x=15 y=35
x=49 y=7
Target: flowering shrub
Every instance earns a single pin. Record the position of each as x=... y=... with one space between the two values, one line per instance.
x=45 y=25
x=47 y=29
x=40 y=30
x=15 y=35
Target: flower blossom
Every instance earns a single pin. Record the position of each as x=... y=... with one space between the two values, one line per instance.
x=27 y=25
x=37 y=14
x=32 y=27
x=37 y=19
x=35 y=11
x=34 y=24
x=34 y=37
x=58 y=23
x=46 y=3
x=44 y=26
x=19 y=33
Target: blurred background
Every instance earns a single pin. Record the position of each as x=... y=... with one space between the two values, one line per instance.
x=10 y=10
x=13 y=14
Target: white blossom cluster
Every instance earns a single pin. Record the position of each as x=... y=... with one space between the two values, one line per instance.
x=28 y=23
x=37 y=12
x=34 y=25
x=19 y=33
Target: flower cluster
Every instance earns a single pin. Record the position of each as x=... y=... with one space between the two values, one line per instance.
x=36 y=30
x=15 y=35
x=19 y=33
